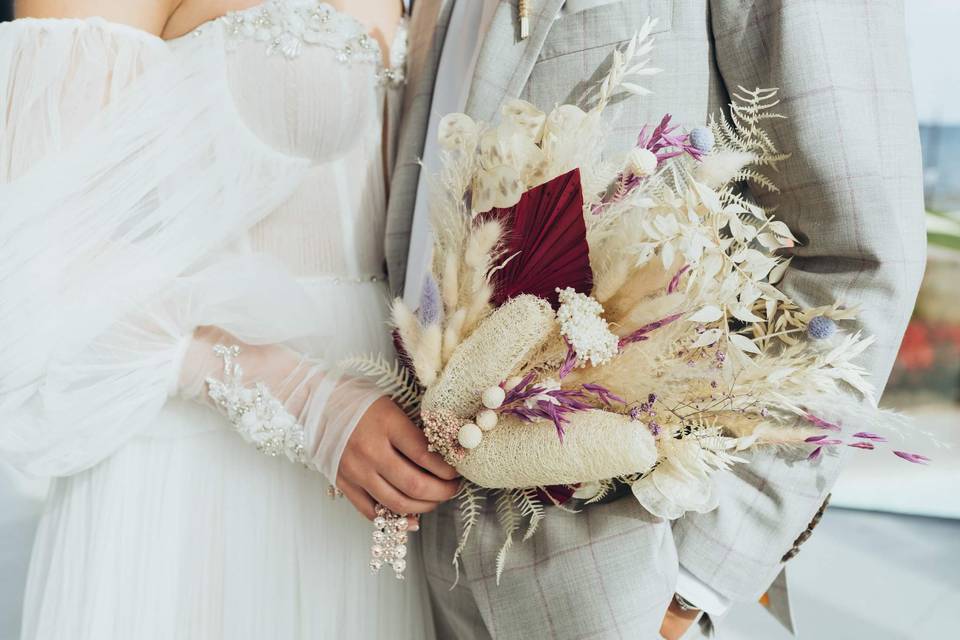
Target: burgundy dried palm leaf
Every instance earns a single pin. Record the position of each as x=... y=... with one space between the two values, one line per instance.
x=545 y=243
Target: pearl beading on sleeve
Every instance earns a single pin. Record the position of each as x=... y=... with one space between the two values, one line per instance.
x=254 y=412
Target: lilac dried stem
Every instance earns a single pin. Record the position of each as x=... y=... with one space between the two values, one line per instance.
x=641 y=333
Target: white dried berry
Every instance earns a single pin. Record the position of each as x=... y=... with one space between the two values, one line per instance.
x=487 y=419
x=470 y=436
x=493 y=397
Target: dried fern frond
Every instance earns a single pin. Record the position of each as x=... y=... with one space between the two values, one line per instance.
x=509 y=519
x=471 y=499
x=606 y=486
x=530 y=507
x=390 y=376
x=744 y=133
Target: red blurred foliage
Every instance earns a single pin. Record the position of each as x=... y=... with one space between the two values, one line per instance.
x=916 y=352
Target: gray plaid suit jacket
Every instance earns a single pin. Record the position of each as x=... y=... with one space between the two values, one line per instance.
x=852 y=192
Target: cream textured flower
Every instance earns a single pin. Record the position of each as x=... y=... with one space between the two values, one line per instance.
x=585 y=329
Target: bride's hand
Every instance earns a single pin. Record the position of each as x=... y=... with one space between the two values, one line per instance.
x=386 y=461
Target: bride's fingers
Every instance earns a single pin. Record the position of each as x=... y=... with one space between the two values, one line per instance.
x=411 y=442
x=416 y=483
x=359 y=498
x=366 y=505
x=390 y=497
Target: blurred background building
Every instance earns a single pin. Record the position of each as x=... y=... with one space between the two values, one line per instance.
x=885 y=562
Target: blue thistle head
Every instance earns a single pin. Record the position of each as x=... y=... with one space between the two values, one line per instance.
x=431 y=307
x=821 y=328
x=702 y=139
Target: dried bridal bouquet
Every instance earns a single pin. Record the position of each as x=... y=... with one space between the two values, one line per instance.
x=588 y=322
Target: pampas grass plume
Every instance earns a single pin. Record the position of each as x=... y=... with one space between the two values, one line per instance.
x=426 y=356
x=451 y=281
x=406 y=323
x=719 y=168
x=453 y=333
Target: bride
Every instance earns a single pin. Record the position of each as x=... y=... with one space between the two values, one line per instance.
x=192 y=197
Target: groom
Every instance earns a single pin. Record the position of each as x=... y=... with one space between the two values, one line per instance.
x=851 y=193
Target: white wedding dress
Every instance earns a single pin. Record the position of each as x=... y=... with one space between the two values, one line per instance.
x=233 y=177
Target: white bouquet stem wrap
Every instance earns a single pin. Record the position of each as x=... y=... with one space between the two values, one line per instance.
x=597 y=445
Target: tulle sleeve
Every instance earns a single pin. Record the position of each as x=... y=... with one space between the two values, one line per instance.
x=124 y=172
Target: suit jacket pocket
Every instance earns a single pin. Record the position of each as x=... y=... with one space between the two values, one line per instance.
x=589 y=24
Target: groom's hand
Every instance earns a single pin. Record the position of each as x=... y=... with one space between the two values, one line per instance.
x=386 y=461
x=677 y=621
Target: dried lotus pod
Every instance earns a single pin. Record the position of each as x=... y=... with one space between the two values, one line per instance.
x=597 y=445
x=499 y=346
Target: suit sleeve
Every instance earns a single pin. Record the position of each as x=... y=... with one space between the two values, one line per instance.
x=852 y=192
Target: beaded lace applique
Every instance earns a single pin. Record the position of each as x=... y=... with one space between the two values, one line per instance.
x=286 y=26
x=257 y=416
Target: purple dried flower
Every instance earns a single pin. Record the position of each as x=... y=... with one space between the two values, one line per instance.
x=431 y=307
x=635 y=413
x=603 y=394
x=531 y=402
x=815 y=454
x=869 y=436
x=665 y=143
x=555 y=414
x=569 y=363
x=820 y=422
x=654 y=427
x=915 y=458
x=862 y=445
x=675 y=280
x=815 y=438
x=641 y=333
x=520 y=391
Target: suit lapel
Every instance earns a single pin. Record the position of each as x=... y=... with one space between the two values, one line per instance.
x=428 y=28
x=428 y=25
x=505 y=61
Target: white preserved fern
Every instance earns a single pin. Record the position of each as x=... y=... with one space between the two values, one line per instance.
x=509 y=519
x=471 y=499
x=531 y=508
x=744 y=133
x=391 y=377
x=606 y=486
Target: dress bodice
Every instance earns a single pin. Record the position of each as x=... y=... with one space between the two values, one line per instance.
x=310 y=82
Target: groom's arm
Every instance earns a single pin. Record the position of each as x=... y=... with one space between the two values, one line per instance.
x=852 y=192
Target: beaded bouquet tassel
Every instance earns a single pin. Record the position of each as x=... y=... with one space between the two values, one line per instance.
x=389 y=542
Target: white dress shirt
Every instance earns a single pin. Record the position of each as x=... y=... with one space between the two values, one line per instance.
x=469 y=22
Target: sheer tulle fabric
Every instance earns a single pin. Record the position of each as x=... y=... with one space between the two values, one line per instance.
x=137 y=179
x=136 y=172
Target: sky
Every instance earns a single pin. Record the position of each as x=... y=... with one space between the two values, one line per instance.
x=933 y=36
